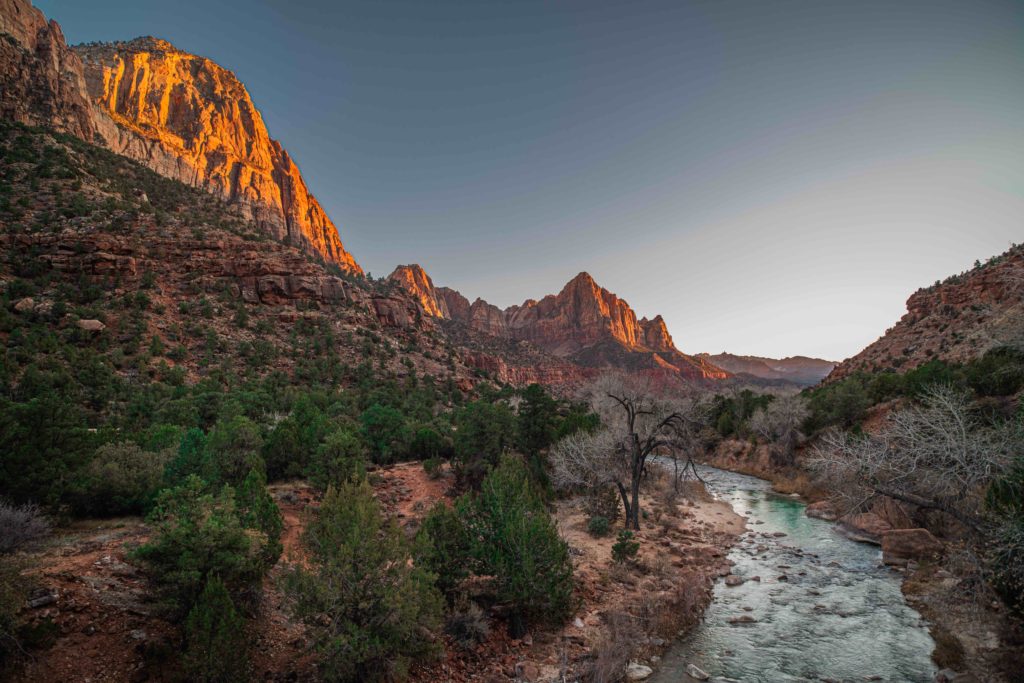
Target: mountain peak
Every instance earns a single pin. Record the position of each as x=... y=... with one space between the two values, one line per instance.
x=415 y=280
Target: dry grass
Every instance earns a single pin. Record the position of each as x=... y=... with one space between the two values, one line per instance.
x=612 y=652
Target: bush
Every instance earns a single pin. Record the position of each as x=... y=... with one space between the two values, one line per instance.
x=234 y=450
x=428 y=444
x=625 y=548
x=514 y=539
x=368 y=609
x=191 y=459
x=339 y=459
x=598 y=526
x=42 y=442
x=121 y=479
x=216 y=650
x=258 y=510
x=13 y=592
x=603 y=501
x=485 y=431
x=433 y=467
x=20 y=526
x=443 y=548
x=385 y=432
x=467 y=625
x=1000 y=372
x=293 y=442
x=197 y=535
x=1005 y=548
x=843 y=403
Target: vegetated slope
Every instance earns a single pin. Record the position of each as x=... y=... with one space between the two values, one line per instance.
x=169 y=282
x=956 y=320
x=183 y=116
x=584 y=324
x=798 y=370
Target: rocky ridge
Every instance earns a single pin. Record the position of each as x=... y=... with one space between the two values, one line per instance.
x=956 y=320
x=584 y=323
x=799 y=370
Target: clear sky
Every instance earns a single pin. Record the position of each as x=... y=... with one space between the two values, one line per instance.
x=774 y=177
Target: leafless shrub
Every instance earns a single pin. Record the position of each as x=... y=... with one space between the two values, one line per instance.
x=678 y=609
x=937 y=456
x=468 y=625
x=613 y=651
x=20 y=526
x=780 y=424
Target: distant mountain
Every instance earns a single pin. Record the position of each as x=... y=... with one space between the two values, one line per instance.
x=799 y=370
x=955 y=320
x=584 y=323
x=184 y=116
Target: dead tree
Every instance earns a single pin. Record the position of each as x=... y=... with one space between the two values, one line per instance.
x=780 y=424
x=638 y=424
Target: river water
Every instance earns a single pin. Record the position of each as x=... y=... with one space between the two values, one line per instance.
x=823 y=610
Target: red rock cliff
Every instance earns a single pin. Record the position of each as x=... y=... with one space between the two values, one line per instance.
x=416 y=281
x=956 y=320
x=584 y=322
x=190 y=119
x=41 y=81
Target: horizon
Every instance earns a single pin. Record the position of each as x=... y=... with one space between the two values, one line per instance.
x=773 y=181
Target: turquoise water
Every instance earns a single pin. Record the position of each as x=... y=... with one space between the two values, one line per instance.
x=836 y=616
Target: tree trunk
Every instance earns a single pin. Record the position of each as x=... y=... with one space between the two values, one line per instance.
x=635 y=519
x=625 y=502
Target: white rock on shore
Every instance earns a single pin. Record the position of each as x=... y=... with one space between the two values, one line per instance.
x=638 y=672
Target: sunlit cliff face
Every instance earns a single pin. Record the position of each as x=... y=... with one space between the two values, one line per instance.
x=188 y=118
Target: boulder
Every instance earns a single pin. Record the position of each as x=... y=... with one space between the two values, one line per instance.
x=90 y=325
x=866 y=527
x=821 y=510
x=638 y=672
x=25 y=305
x=903 y=545
x=733 y=580
x=742 y=619
x=694 y=671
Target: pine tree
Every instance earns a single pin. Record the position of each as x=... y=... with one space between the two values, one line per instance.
x=216 y=650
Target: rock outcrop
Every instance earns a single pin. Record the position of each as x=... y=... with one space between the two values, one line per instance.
x=584 y=323
x=41 y=81
x=190 y=119
x=956 y=320
x=416 y=282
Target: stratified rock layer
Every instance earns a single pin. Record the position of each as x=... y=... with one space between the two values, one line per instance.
x=190 y=119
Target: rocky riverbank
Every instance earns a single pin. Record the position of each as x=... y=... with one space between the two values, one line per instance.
x=976 y=637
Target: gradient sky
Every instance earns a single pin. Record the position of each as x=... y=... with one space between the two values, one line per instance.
x=773 y=177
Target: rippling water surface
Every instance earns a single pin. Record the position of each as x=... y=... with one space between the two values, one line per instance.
x=824 y=608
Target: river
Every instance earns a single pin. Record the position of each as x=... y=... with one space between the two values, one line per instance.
x=824 y=608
